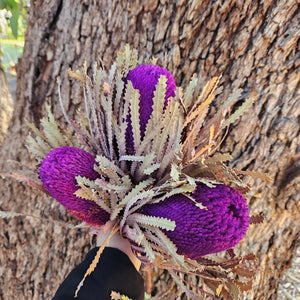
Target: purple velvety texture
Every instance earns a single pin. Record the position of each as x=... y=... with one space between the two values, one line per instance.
x=58 y=171
x=199 y=231
x=144 y=78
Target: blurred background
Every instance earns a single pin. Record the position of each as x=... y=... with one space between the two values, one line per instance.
x=13 y=14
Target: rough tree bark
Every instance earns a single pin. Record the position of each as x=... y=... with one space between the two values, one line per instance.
x=253 y=44
x=6 y=104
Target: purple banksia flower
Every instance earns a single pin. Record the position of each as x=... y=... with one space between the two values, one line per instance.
x=144 y=78
x=58 y=173
x=218 y=227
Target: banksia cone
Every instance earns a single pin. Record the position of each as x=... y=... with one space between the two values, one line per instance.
x=199 y=231
x=58 y=173
x=144 y=78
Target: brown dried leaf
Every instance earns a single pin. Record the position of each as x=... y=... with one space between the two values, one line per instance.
x=207 y=91
x=77 y=75
x=244 y=286
x=29 y=181
x=254 y=175
x=95 y=261
x=231 y=253
x=233 y=289
x=244 y=271
x=256 y=219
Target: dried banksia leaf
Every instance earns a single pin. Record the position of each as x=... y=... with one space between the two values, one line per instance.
x=95 y=260
x=239 y=111
x=51 y=136
x=141 y=219
x=135 y=115
x=188 y=95
x=9 y=214
x=256 y=219
x=117 y=296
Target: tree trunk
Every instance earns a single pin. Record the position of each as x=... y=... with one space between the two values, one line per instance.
x=252 y=44
x=6 y=104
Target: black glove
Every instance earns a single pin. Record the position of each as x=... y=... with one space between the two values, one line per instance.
x=114 y=272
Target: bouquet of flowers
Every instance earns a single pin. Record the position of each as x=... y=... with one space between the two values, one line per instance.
x=143 y=156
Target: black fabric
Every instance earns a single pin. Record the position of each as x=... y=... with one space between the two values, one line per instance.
x=114 y=272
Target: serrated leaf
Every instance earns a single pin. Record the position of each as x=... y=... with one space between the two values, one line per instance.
x=47 y=139
x=171 y=118
x=134 y=114
x=232 y=98
x=132 y=158
x=244 y=271
x=218 y=157
x=9 y=214
x=205 y=95
x=112 y=73
x=170 y=246
x=143 y=196
x=95 y=261
x=200 y=152
x=158 y=104
x=247 y=103
x=51 y=130
x=34 y=147
x=104 y=162
x=90 y=194
x=111 y=175
x=126 y=59
x=31 y=182
x=134 y=194
x=117 y=296
x=122 y=123
x=174 y=172
x=147 y=166
x=148 y=249
x=78 y=75
x=244 y=286
x=183 y=189
x=159 y=98
x=85 y=193
x=108 y=109
x=162 y=223
x=119 y=131
x=254 y=175
x=94 y=100
x=103 y=184
x=35 y=130
x=166 y=161
x=119 y=91
x=151 y=169
x=188 y=95
x=81 y=180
